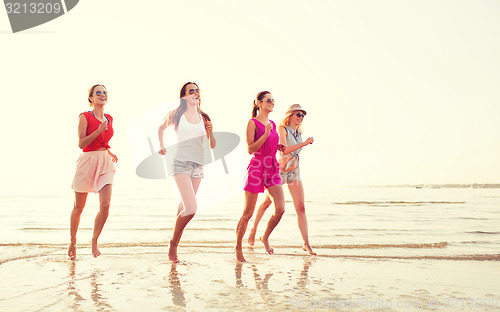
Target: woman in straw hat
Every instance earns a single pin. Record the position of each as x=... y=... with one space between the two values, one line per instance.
x=290 y=131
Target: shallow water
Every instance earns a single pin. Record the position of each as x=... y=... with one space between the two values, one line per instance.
x=461 y=224
x=378 y=249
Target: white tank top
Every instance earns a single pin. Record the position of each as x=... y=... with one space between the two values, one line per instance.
x=190 y=141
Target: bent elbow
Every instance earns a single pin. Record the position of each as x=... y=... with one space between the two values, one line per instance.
x=81 y=144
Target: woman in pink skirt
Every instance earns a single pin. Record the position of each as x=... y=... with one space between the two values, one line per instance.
x=263 y=170
x=94 y=168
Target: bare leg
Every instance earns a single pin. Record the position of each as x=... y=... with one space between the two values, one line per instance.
x=260 y=213
x=278 y=198
x=80 y=200
x=187 y=188
x=250 y=201
x=102 y=216
x=297 y=191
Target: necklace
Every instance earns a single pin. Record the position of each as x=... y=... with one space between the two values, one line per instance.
x=99 y=119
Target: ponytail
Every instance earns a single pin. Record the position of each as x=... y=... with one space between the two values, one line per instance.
x=255 y=109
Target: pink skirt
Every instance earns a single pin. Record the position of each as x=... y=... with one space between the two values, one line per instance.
x=94 y=170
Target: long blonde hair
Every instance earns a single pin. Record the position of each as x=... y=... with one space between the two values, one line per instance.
x=286 y=121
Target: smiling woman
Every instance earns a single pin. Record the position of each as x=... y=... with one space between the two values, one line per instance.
x=191 y=125
x=263 y=170
x=94 y=168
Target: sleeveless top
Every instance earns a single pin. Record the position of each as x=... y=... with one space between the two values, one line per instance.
x=102 y=139
x=190 y=141
x=270 y=146
x=293 y=138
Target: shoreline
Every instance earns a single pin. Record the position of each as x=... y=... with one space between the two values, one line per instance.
x=131 y=278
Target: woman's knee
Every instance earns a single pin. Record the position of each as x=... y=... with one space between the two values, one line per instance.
x=190 y=208
x=104 y=207
x=279 y=210
x=248 y=214
x=187 y=213
x=300 y=209
x=279 y=213
x=78 y=209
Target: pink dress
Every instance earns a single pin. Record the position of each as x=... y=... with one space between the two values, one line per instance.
x=263 y=170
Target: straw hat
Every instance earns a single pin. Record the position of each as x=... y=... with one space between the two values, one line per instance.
x=295 y=107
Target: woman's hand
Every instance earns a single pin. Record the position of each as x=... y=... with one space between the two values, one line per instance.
x=103 y=126
x=162 y=151
x=269 y=127
x=310 y=140
x=113 y=157
x=281 y=148
x=208 y=127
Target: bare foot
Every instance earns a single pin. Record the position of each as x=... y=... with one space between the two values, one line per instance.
x=239 y=254
x=268 y=247
x=308 y=249
x=95 y=250
x=72 y=250
x=172 y=252
x=251 y=237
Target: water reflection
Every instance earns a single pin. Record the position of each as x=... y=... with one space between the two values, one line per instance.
x=100 y=301
x=261 y=284
x=238 y=269
x=96 y=294
x=304 y=274
x=175 y=287
x=72 y=289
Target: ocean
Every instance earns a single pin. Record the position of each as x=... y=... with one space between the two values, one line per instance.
x=369 y=222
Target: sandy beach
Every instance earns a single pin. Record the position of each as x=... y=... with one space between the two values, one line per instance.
x=133 y=278
x=378 y=249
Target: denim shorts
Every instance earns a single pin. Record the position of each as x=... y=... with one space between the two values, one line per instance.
x=194 y=170
x=287 y=177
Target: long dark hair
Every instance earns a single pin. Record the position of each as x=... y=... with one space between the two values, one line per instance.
x=175 y=115
x=256 y=108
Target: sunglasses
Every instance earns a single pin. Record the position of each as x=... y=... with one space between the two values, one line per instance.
x=270 y=101
x=99 y=93
x=192 y=91
x=300 y=115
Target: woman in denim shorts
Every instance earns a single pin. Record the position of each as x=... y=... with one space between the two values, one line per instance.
x=191 y=126
x=290 y=131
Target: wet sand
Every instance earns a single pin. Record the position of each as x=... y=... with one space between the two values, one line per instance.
x=136 y=278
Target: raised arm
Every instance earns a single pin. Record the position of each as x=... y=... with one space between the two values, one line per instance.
x=283 y=135
x=254 y=146
x=83 y=138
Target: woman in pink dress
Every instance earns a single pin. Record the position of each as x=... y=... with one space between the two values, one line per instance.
x=263 y=170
